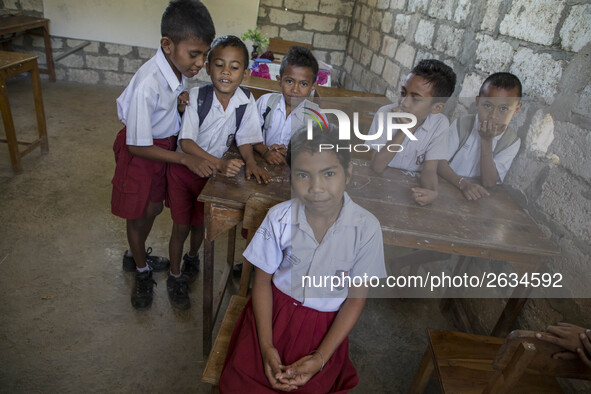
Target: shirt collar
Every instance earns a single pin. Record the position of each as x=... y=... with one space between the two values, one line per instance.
x=167 y=71
x=238 y=98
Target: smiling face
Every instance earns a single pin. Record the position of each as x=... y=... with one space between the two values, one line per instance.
x=318 y=179
x=498 y=105
x=227 y=69
x=296 y=83
x=416 y=98
x=186 y=57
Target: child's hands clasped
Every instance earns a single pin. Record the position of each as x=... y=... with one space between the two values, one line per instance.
x=300 y=372
x=488 y=130
x=275 y=154
x=260 y=174
x=423 y=196
x=274 y=369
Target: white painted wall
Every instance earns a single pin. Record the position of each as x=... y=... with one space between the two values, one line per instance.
x=137 y=22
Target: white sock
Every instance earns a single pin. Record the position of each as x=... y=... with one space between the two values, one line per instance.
x=146 y=268
x=175 y=276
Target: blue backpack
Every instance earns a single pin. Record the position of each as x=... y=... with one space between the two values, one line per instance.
x=204 y=101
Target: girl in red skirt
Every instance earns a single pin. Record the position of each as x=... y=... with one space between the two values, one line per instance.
x=310 y=254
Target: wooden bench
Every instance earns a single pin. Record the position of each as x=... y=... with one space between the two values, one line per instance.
x=468 y=363
x=254 y=213
x=279 y=46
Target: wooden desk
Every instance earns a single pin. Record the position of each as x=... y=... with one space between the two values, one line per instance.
x=12 y=24
x=259 y=86
x=451 y=224
x=11 y=64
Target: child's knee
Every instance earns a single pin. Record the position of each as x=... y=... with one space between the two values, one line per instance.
x=154 y=209
x=180 y=230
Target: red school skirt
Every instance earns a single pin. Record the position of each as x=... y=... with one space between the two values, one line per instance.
x=297 y=331
x=137 y=181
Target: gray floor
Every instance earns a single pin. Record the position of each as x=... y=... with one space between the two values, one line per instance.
x=66 y=322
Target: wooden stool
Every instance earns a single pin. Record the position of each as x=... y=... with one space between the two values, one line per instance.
x=11 y=64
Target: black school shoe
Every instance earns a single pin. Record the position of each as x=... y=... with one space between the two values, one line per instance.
x=156 y=263
x=143 y=290
x=178 y=292
x=190 y=267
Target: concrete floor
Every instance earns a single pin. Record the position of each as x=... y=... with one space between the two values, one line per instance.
x=66 y=321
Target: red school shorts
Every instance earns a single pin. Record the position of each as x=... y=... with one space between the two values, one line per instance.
x=183 y=189
x=137 y=181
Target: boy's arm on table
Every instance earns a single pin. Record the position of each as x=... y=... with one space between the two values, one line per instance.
x=381 y=159
x=488 y=170
x=273 y=154
x=153 y=152
x=472 y=191
x=428 y=191
x=574 y=339
x=252 y=168
x=300 y=372
x=208 y=163
x=262 y=305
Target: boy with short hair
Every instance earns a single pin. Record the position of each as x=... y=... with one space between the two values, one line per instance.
x=216 y=115
x=282 y=113
x=148 y=108
x=482 y=145
x=423 y=94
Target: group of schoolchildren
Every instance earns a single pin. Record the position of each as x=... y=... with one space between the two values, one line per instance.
x=287 y=337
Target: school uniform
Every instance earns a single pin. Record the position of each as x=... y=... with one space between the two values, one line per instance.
x=465 y=159
x=431 y=141
x=214 y=134
x=148 y=109
x=285 y=245
x=281 y=128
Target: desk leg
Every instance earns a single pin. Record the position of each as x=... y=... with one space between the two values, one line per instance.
x=39 y=109
x=48 y=53
x=15 y=156
x=208 y=250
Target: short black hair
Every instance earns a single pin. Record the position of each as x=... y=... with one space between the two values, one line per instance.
x=229 y=41
x=184 y=19
x=506 y=81
x=441 y=77
x=299 y=56
x=320 y=136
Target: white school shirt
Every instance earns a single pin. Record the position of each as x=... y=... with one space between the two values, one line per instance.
x=282 y=128
x=213 y=134
x=467 y=161
x=431 y=141
x=148 y=105
x=285 y=246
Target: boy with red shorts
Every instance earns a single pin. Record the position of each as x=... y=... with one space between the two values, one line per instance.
x=148 y=108
x=216 y=115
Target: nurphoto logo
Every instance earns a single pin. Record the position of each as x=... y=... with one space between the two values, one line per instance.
x=393 y=121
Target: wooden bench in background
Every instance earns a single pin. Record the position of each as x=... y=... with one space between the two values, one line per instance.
x=468 y=363
x=279 y=46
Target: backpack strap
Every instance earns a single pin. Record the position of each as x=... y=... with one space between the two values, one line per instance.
x=204 y=101
x=464 y=126
x=241 y=109
x=272 y=104
x=508 y=138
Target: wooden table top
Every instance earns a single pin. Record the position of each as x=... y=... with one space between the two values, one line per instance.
x=269 y=86
x=8 y=59
x=15 y=23
x=492 y=227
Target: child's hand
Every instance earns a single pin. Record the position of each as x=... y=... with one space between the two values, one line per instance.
x=230 y=167
x=259 y=174
x=473 y=191
x=567 y=336
x=275 y=154
x=423 y=196
x=203 y=168
x=300 y=372
x=182 y=101
x=274 y=369
x=488 y=130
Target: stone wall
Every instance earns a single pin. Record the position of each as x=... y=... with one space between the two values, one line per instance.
x=323 y=23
